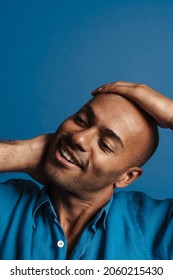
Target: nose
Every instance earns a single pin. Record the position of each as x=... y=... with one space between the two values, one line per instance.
x=83 y=139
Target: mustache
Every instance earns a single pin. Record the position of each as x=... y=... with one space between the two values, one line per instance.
x=66 y=141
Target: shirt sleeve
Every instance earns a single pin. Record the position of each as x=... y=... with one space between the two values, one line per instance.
x=153 y=222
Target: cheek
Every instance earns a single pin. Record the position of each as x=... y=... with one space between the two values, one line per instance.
x=103 y=163
x=108 y=164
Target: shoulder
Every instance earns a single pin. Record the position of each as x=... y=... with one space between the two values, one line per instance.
x=19 y=185
x=149 y=220
x=13 y=190
x=143 y=210
x=136 y=201
x=140 y=202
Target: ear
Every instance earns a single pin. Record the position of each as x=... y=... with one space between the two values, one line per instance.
x=128 y=177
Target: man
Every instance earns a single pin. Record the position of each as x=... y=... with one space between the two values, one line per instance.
x=78 y=214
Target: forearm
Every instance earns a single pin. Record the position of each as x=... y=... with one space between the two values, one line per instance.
x=14 y=156
x=26 y=156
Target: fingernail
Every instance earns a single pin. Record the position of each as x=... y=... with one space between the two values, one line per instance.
x=97 y=89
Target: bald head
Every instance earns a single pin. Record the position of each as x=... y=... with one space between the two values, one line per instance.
x=137 y=130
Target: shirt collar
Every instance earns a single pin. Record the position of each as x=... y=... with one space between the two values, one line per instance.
x=102 y=215
x=44 y=198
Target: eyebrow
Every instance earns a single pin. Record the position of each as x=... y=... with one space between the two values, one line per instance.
x=90 y=111
x=108 y=132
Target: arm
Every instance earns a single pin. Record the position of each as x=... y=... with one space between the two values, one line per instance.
x=157 y=105
x=25 y=156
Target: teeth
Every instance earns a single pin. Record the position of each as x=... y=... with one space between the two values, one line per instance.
x=66 y=155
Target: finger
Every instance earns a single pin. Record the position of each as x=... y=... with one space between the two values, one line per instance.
x=112 y=87
x=118 y=89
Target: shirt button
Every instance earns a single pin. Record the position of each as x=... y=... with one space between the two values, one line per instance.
x=60 y=243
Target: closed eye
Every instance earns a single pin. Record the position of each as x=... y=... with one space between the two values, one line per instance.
x=104 y=146
x=80 y=121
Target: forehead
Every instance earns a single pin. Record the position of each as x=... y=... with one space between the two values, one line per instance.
x=118 y=114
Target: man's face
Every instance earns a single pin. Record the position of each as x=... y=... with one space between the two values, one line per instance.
x=95 y=146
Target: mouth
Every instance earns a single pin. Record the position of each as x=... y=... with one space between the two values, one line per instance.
x=66 y=157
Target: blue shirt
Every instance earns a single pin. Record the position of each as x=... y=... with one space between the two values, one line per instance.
x=130 y=226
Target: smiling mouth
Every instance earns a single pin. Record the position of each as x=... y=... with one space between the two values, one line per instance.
x=65 y=154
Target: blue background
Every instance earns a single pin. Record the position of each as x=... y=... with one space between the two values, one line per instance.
x=53 y=53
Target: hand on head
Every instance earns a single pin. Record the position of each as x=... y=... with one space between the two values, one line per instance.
x=157 y=105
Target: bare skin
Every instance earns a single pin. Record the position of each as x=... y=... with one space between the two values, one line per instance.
x=157 y=105
x=25 y=156
x=80 y=189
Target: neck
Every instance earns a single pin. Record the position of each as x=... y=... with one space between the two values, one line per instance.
x=75 y=212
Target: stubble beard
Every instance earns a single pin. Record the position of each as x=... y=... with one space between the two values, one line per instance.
x=80 y=185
